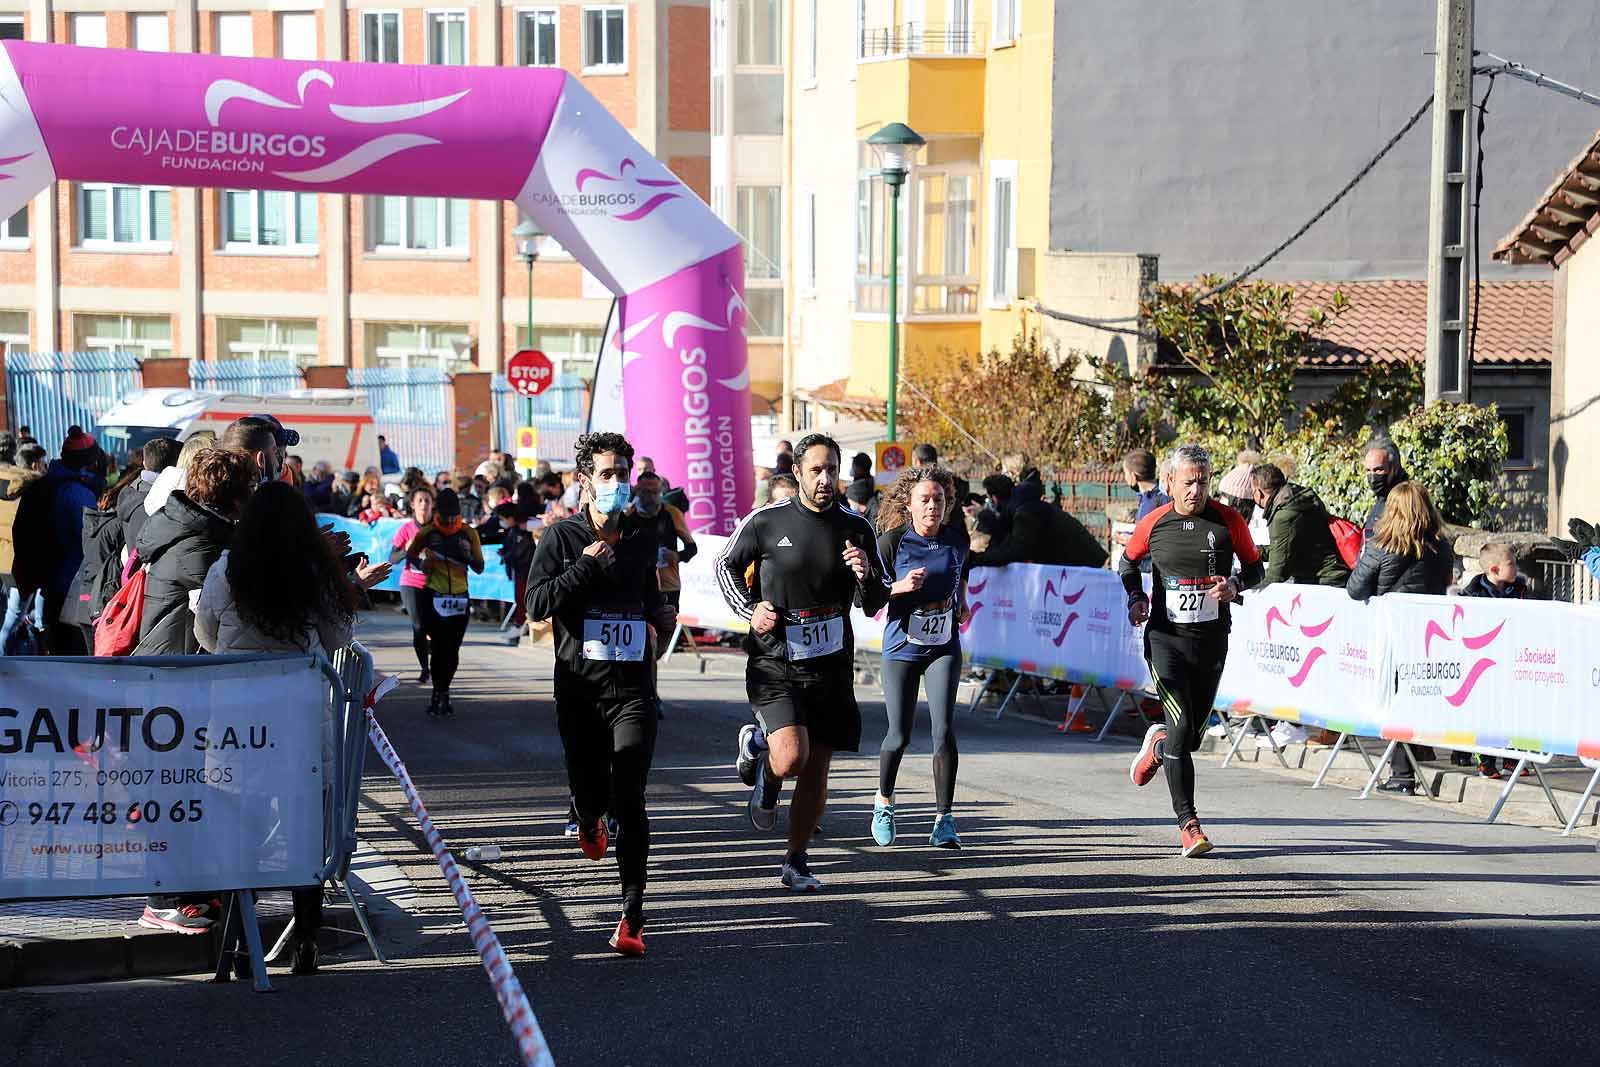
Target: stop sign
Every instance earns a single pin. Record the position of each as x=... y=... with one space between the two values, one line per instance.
x=530 y=372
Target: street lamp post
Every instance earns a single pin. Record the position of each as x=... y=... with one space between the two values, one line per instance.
x=895 y=144
x=527 y=236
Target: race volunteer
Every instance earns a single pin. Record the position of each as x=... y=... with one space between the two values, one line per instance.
x=925 y=546
x=444 y=550
x=595 y=574
x=813 y=558
x=1191 y=543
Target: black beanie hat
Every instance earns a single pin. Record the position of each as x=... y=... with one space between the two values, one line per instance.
x=447 y=505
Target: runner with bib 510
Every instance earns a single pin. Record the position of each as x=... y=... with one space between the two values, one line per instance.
x=595 y=574
x=1191 y=542
x=813 y=559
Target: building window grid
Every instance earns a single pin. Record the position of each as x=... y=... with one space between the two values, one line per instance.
x=760 y=40
x=380 y=37
x=297 y=35
x=256 y=340
x=1005 y=21
x=147 y=336
x=418 y=345
x=233 y=34
x=447 y=37
x=811 y=43
x=150 y=33
x=605 y=38
x=1002 y=245
x=539 y=37
x=88 y=31
x=418 y=225
x=947 y=238
x=11 y=28
x=261 y=219
x=14 y=233
x=808 y=243
x=134 y=216
x=573 y=349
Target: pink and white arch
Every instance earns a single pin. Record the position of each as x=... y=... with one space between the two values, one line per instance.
x=536 y=137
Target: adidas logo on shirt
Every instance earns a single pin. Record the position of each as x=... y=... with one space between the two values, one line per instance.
x=785 y=543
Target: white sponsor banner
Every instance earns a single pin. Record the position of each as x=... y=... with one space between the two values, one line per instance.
x=1061 y=622
x=1493 y=673
x=123 y=779
x=703 y=606
x=1309 y=654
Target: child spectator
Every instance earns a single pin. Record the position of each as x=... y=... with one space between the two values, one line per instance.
x=1499 y=581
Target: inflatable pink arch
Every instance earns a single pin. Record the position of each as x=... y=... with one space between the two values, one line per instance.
x=533 y=136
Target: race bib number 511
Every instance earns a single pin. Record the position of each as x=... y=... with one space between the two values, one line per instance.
x=810 y=638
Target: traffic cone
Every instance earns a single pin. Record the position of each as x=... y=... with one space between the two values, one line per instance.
x=1074 y=722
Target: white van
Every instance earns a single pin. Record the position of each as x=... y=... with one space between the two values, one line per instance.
x=334 y=424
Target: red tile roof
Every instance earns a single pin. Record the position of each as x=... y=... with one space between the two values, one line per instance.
x=1387 y=321
x=1566 y=216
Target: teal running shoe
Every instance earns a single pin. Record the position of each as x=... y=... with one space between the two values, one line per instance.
x=883 y=823
x=944 y=832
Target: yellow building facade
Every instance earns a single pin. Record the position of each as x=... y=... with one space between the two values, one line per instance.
x=973 y=77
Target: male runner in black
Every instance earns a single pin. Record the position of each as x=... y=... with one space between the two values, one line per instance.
x=1191 y=543
x=595 y=574
x=813 y=558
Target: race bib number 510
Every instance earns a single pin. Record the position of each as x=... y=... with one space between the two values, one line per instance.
x=613 y=637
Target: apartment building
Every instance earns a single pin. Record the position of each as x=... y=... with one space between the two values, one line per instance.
x=1080 y=150
x=223 y=274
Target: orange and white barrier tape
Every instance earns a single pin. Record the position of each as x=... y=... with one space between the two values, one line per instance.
x=513 y=1001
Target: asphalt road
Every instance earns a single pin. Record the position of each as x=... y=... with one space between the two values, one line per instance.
x=1322 y=929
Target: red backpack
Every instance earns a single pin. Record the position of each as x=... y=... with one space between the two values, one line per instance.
x=1346 y=538
x=116 y=631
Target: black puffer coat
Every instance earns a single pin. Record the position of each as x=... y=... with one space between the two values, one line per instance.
x=180 y=543
x=1380 y=571
x=100 y=574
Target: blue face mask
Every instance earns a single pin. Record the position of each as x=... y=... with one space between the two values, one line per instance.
x=610 y=498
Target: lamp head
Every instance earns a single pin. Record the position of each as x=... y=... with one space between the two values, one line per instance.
x=526 y=235
x=895 y=144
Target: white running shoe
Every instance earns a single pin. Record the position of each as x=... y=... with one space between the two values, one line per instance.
x=797 y=875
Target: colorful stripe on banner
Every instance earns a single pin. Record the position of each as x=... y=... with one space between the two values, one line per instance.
x=1102 y=681
x=513 y=1001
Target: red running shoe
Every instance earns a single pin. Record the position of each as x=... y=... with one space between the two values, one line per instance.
x=625 y=941
x=1146 y=763
x=594 y=842
x=1195 y=841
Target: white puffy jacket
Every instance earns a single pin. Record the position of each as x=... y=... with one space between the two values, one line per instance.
x=221 y=629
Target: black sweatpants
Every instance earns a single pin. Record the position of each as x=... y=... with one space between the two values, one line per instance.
x=942 y=676
x=1187 y=671
x=412 y=599
x=609 y=734
x=445 y=634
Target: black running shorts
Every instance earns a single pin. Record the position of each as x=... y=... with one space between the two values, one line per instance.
x=821 y=700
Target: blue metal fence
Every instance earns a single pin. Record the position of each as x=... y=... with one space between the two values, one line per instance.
x=261 y=376
x=558 y=412
x=412 y=408
x=51 y=391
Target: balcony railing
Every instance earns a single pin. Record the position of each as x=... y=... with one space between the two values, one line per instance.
x=920 y=39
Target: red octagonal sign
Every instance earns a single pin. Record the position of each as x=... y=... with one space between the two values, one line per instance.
x=530 y=372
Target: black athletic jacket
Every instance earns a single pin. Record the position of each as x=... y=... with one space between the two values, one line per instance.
x=800 y=566
x=1190 y=551
x=564 y=584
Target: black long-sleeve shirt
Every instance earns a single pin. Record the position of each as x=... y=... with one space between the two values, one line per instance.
x=1191 y=553
x=799 y=558
x=566 y=585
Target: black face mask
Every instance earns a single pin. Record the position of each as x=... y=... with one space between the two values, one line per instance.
x=1377 y=482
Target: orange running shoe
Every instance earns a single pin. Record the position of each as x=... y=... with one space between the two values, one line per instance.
x=1195 y=841
x=594 y=842
x=1146 y=763
x=626 y=941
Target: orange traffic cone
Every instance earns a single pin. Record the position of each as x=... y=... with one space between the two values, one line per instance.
x=1074 y=722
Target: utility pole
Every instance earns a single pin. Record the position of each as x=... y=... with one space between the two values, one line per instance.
x=1448 y=374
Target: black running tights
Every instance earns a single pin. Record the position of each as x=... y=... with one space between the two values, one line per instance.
x=1187 y=671
x=610 y=739
x=445 y=634
x=412 y=599
x=941 y=677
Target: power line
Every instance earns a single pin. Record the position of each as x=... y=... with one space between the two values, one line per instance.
x=1517 y=70
x=909 y=384
x=1111 y=325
